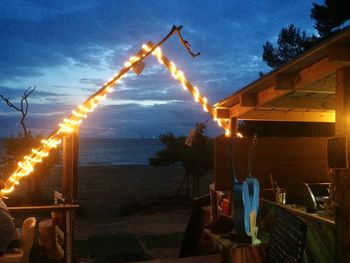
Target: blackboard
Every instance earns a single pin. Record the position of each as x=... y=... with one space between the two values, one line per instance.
x=337 y=152
x=287 y=239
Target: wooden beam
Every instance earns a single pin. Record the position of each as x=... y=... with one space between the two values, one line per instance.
x=304 y=103
x=339 y=53
x=284 y=81
x=342 y=176
x=234 y=127
x=249 y=100
x=40 y=209
x=316 y=71
x=295 y=116
x=238 y=110
x=222 y=113
x=269 y=94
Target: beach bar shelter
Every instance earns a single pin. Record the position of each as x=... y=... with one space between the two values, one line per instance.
x=314 y=87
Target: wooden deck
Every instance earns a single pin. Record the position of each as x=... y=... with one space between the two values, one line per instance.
x=199 y=259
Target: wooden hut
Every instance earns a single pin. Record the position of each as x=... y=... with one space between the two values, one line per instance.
x=314 y=87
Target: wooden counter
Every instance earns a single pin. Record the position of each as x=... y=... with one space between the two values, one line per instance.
x=321 y=218
x=320 y=239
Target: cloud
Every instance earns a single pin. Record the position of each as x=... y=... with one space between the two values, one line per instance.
x=72 y=48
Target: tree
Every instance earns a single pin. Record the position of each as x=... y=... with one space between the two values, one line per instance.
x=290 y=43
x=197 y=159
x=23 y=109
x=17 y=147
x=330 y=16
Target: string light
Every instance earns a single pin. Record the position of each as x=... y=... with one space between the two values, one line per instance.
x=39 y=153
x=239 y=135
x=68 y=125
x=71 y=123
x=78 y=114
x=179 y=75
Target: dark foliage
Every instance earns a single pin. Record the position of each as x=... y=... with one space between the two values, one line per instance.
x=174 y=147
x=291 y=42
x=197 y=159
x=330 y=16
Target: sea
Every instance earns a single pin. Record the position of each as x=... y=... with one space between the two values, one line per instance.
x=104 y=152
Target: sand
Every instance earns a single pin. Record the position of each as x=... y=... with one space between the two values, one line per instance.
x=102 y=190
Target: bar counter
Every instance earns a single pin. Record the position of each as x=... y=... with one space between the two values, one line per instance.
x=320 y=239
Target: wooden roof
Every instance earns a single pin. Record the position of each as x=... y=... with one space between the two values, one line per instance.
x=300 y=90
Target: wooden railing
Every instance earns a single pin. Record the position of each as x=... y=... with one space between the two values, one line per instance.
x=63 y=232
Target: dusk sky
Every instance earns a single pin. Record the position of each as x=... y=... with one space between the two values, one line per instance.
x=68 y=49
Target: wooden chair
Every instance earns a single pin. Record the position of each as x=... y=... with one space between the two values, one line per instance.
x=21 y=255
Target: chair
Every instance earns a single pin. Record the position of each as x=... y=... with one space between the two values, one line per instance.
x=21 y=255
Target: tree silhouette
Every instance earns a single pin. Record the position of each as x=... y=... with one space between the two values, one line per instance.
x=23 y=108
x=197 y=159
x=290 y=43
x=330 y=16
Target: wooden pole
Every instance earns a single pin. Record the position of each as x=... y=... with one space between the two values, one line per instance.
x=342 y=176
x=75 y=151
x=69 y=187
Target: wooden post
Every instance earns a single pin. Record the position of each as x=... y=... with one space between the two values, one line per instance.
x=342 y=176
x=234 y=127
x=69 y=187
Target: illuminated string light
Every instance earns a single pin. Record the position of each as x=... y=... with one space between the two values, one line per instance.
x=179 y=75
x=196 y=94
x=238 y=134
x=109 y=89
x=51 y=143
x=26 y=167
x=39 y=153
x=67 y=126
x=12 y=179
x=70 y=124
x=64 y=128
x=205 y=104
x=78 y=114
x=35 y=160
x=98 y=98
x=84 y=109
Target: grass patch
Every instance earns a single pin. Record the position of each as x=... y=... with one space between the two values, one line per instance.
x=163 y=241
x=122 y=247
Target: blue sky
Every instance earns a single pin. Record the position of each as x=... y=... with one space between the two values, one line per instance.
x=68 y=49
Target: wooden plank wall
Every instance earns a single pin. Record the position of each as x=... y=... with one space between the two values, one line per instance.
x=288 y=159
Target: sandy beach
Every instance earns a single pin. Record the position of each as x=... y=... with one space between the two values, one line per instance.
x=135 y=199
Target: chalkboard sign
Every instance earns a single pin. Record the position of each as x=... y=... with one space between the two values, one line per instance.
x=287 y=238
x=337 y=152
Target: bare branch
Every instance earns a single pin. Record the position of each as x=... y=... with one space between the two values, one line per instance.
x=9 y=103
x=29 y=91
x=24 y=106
